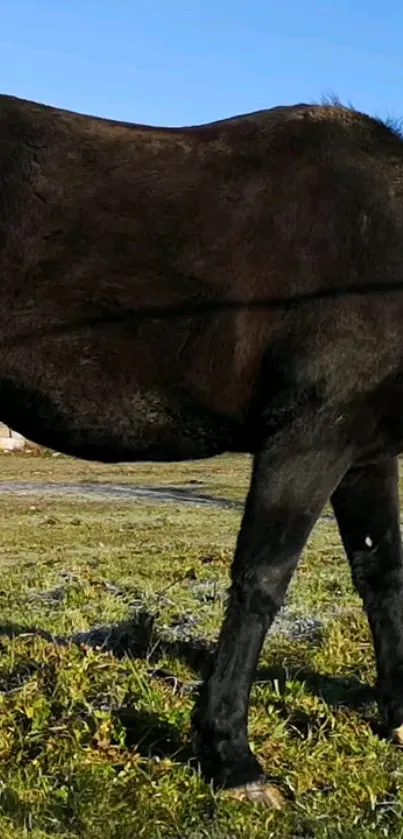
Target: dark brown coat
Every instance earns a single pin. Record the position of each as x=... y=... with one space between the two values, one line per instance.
x=177 y=293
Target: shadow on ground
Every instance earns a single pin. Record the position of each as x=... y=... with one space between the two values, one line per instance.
x=138 y=638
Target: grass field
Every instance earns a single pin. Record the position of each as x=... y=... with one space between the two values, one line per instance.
x=109 y=607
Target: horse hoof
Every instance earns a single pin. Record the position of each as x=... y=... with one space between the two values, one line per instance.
x=257 y=793
x=397 y=736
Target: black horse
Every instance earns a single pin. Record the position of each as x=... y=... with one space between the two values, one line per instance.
x=171 y=294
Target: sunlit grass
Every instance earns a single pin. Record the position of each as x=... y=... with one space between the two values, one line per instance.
x=96 y=744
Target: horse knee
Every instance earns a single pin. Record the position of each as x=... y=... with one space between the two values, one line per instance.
x=261 y=589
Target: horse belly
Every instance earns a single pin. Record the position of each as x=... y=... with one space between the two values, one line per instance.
x=102 y=421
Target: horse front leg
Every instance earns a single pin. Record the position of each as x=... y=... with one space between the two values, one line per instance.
x=289 y=487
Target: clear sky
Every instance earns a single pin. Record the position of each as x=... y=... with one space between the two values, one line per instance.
x=186 y=61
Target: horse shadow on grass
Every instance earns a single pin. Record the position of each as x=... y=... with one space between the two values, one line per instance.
x=151 y=734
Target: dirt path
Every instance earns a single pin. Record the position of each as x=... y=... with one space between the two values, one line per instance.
x=145 y=493
x=163 y=494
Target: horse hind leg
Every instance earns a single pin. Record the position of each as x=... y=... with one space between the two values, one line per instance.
x=366 y=506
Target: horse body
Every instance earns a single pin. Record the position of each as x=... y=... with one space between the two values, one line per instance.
x=176 y=293
x=102 y=225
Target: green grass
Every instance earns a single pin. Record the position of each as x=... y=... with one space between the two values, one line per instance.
x=94 y=743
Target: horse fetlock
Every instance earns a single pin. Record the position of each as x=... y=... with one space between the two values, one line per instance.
x=223 y=753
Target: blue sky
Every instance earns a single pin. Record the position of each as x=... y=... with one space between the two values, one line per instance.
x=179 y=62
